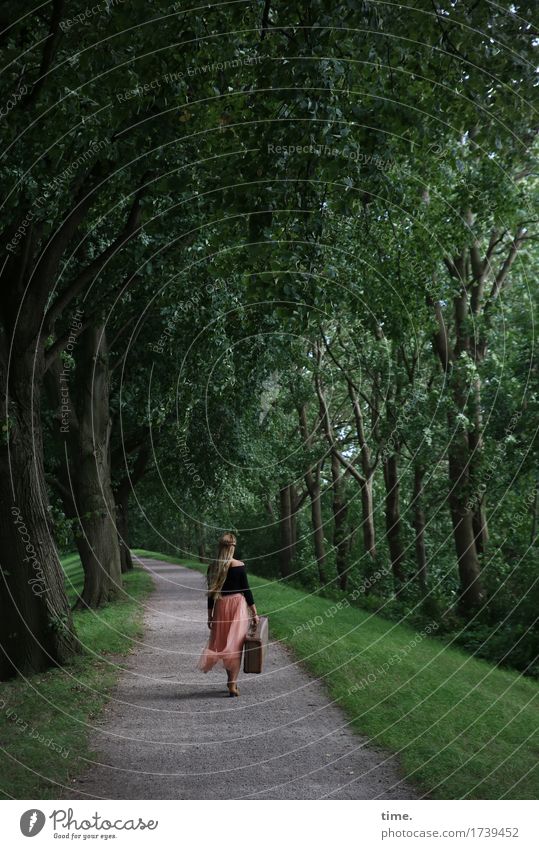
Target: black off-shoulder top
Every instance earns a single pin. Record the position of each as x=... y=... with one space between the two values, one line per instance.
x=235 y=582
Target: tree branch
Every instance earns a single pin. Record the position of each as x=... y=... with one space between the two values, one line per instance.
x=139 y=470
x=441 y=340
x=132 y=341
x=501 y=278
x=49 y=51
x=47 y=265
x=265 y=19
x=63 y=491
x=57 y=347
x=326 y=423
x=94 y=268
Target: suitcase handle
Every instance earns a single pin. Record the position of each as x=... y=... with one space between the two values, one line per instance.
x=254 y=631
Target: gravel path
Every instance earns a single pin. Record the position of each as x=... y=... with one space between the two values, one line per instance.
x=171 y=732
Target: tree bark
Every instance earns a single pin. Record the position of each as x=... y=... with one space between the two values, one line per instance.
x=419 y=529
x=393 y=521
x=535 y=514
x=293 y=519
x=123 y=490
x=269 y=507
x=471 y=308
x=312 y=483
x=36 y=628
x=369 y=533
x=341 y=540
x=364 y=480
x=122 y=525
x=367 y=509
x=317 y=520
x=475 y=444
x=84 y=477
x=201 y=545
x=463 y=484
x=480 y=526
x=98 y=542
x=285 y=551
x=462 y=514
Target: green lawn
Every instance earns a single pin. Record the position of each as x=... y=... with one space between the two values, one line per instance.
x=462 y=727
x=45 y=721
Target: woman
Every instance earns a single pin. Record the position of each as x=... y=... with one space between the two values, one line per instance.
x=231 y=611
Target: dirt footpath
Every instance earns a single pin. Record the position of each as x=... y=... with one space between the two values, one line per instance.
x=172 y=732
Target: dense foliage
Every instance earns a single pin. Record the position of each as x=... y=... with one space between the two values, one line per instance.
x=272 y=267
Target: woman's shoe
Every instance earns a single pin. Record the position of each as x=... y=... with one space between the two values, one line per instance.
x=233 y=689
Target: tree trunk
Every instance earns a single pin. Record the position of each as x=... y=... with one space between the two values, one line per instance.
x=364 y=480
x=293 y=520
x=454 y=362
x=84 y=476
x=201 y=545
x=369 y=535
x=285 y=552
x=393 y=521
x=36 y=629
x=97 y=540
x=480 y=527
x=122 y=525
x=312 y=482
x=535 y=514
x=419 y=529
x=123 y=490
x=98 y=543
x=471 y=593
x=269 y=508
x=475 y=445
x=341 y=542
x=318 y=533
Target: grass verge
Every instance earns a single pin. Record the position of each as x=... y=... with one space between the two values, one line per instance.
x=463 y=728
x=45 y=720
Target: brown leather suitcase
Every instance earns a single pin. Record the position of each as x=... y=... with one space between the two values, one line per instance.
x=256 y=646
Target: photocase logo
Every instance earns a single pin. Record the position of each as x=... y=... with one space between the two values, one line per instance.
x=32 y=822
x=65 y=824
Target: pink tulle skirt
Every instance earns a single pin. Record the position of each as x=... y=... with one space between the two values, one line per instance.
x=228 y=632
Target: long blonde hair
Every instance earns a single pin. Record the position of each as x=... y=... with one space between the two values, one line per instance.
x=218 y=568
